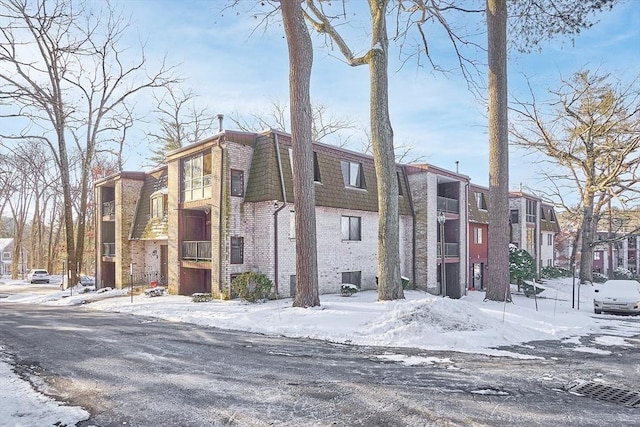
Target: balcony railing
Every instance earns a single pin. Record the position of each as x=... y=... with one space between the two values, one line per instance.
x=109 y=208
x=446 y=204
x=451 y=250
x=109 y=249
x=193 y=250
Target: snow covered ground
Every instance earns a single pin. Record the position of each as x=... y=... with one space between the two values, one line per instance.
x=424 y=321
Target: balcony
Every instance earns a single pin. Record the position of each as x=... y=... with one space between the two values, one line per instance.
x=109 y=249
x=446 y=204
x=109 y=208
x=451 y=250
x=194 y=250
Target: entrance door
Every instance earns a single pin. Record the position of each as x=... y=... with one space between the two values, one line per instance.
x=164 y=270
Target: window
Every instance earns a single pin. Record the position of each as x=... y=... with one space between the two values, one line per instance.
x=481 y=203
x=399 y=184
x=596 y=256
x=237 y=182
x=549 y=262
x=352 y=277
x=550 y=239
x=531 y=211
x=353 y=174
x=158 y=206
x=237 y=250
x=292 y=224
x=6 y=255
x=350 y=228
x=515 y=214
x=477 y=235
x=196 y=176
x=316 y=166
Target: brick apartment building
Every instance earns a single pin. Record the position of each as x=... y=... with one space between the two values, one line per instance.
x=225 y=205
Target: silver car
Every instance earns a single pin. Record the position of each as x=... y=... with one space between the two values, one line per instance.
x=617 y=296
x=38 y=276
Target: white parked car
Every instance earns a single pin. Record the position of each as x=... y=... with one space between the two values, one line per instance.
x=617 y=296
x=38 y=276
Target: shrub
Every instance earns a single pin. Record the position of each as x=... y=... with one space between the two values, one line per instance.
x=252 y=286
x=622 y=273
x=554 y=272
x=201 y=297
x=521 y=265
x=347 y=289
x=599 y=277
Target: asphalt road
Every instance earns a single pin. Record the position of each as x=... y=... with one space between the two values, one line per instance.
x=137 y=371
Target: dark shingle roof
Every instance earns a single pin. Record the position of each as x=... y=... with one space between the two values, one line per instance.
x=264 y=177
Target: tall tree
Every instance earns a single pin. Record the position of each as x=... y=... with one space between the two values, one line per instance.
x=376 y=58
x=592 y=143
x=498 y=288
x=64 y=71
x=300 y=63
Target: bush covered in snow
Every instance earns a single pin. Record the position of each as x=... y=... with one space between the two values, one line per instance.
x=201 y=297
x=347 y=289
x=599 y=277
x=252 y=286
x=622 y=273
x=554 y=272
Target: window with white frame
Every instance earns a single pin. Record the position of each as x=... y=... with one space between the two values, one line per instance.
x=292 y=224
x=596 y=256
x=550 y=239
x=158 y=205
x=316 y=166
x=196 y=177
x=531 y=206
x=477 y=235
x=6 y=256
x=353 y=174
x=481 y=202
x=351 y=228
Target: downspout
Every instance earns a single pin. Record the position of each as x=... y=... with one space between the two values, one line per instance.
x=275 y=215
x=467 y=264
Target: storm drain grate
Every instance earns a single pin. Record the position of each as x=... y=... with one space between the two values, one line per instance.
x=605 y=392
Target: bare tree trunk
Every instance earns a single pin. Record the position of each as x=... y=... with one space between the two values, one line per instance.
x=300 y=62
x=586 y=248
x=498 y=288
x=389 y=280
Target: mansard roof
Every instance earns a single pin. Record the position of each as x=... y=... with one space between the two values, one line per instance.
x=264 y=181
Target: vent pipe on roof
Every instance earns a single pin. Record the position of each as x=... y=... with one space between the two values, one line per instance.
x=220 y=125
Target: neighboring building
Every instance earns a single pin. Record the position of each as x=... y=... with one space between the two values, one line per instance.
x=533 y=226
x=622 y=251
x=7 y=260
x=478 y=236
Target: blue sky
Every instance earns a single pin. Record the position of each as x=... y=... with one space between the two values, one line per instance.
x=235 y=69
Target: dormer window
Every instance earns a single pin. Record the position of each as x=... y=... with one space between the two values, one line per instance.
x=316 y=166
x=158 y=204
x=353 y=174
x=481 y=203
